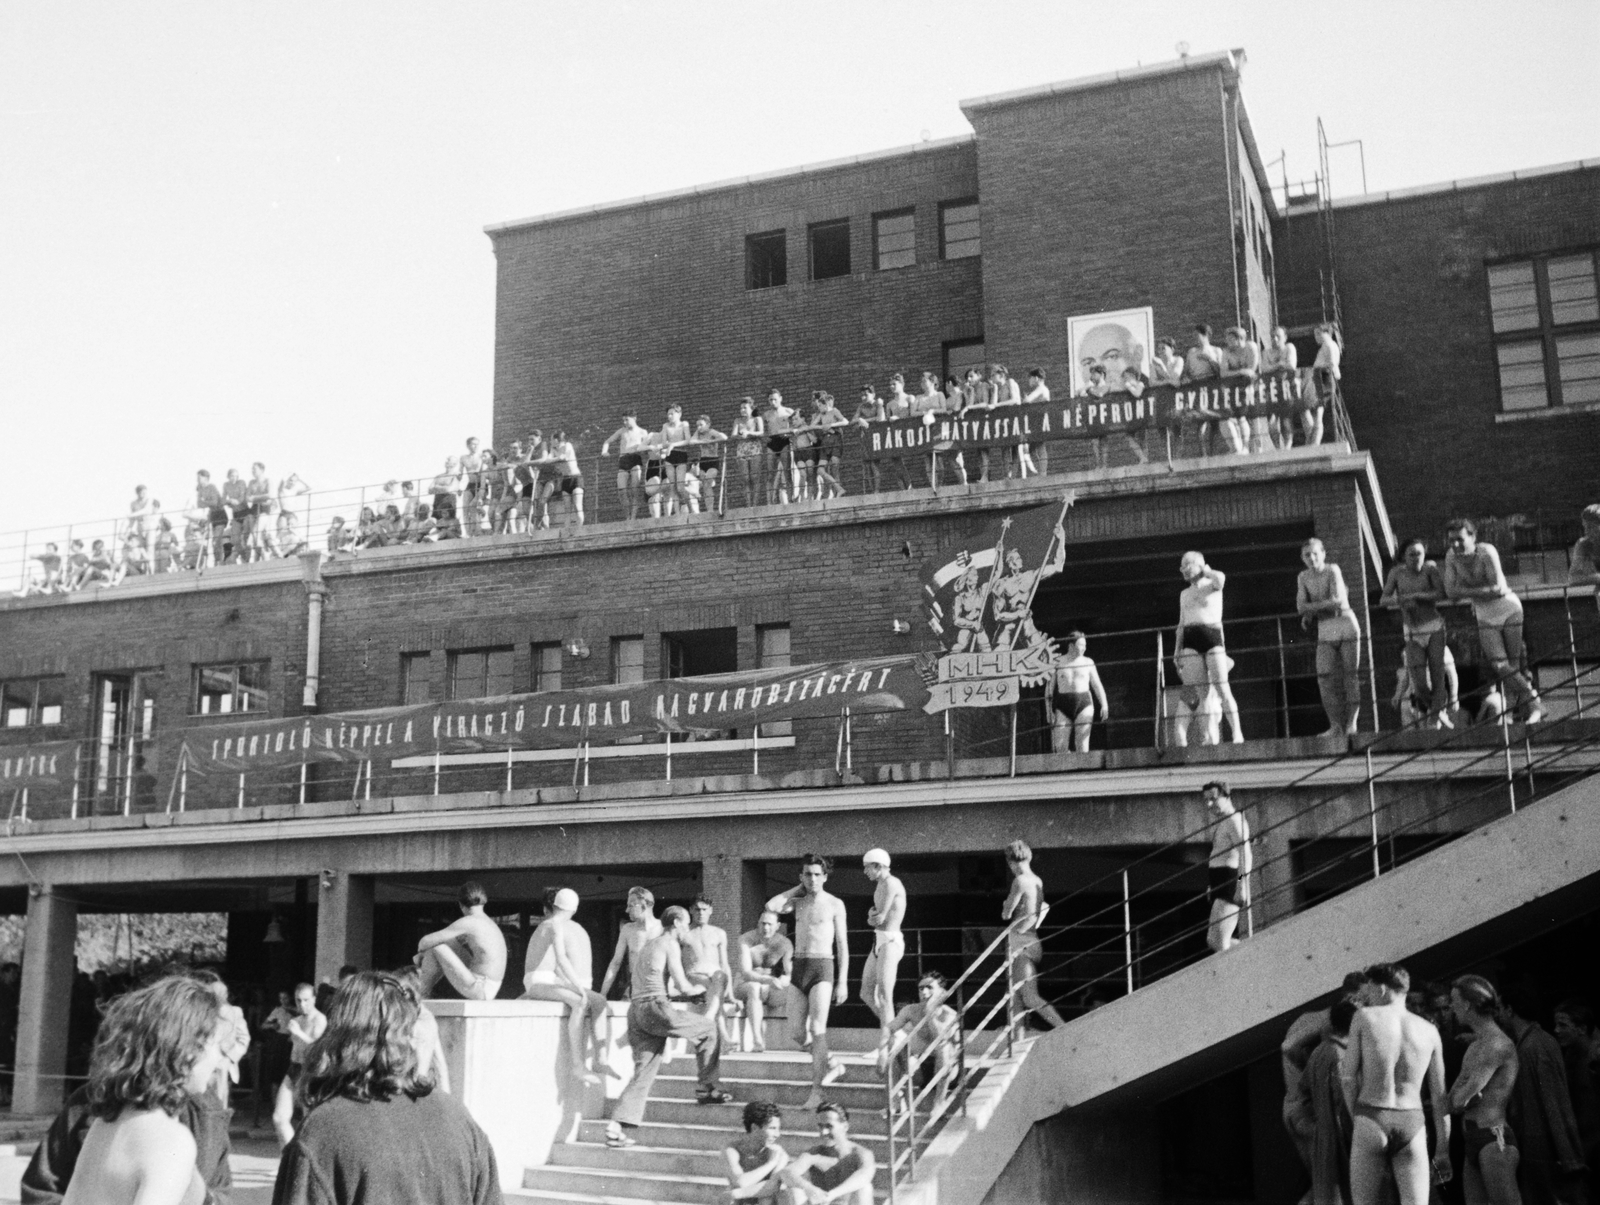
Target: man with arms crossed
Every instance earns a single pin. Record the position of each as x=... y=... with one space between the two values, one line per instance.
x=705 y=957
x=836 y=1169
x=1482 y=1088
x=652 y=1020
x=1228 y=872
x=640 y=927
x=888 y=944
x=560 y=967
x=1391 y=1055
x=471 y=953
x=766 y=960
x=1072 y=694
x=755 y=1160
x=1415 y=587
x=821 y=966
x=1025 y=905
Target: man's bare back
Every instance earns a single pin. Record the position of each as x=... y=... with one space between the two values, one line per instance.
x=1022 y=903
x=141 y=1157
x=481 y=945
x=1396 y=1049
x=563 y=934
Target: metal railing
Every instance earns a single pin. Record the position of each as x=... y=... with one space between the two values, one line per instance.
x=1363 y=838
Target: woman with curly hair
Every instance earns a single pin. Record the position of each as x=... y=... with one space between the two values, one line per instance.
x=376 y=1133
x=157 y=1046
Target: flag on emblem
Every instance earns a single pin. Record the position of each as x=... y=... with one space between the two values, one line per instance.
x=958 y=590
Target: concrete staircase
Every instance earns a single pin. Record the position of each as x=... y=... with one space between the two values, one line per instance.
x=679 y=1156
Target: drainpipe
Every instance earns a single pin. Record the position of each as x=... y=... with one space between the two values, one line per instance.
x=311 y=578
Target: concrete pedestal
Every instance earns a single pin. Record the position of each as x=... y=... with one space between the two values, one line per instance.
x=48 y=963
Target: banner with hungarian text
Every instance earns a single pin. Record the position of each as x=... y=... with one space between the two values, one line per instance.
x=1159 y=406
x=47 y=764
x=563 y=719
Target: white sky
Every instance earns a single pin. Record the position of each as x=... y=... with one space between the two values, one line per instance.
x=232 y=232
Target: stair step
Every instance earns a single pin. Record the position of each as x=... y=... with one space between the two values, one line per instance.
x=550 y=1196
x=795 y=1065
x=866 y=1130
x=662 y=1160
x=627 y=1183
x=777 y=1091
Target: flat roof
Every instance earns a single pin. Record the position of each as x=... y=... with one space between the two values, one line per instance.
x=808 y=169
x=1232 y=60
x=1423 y=190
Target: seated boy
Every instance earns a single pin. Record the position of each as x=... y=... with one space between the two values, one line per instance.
x=755 y=1160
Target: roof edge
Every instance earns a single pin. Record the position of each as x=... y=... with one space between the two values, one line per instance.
x=1230 y=60
x=1448 y=186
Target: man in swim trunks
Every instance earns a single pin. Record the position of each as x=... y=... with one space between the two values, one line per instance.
x=1415 y=587
x=471 y=953
x=1322 y=598
x=631 y=442
x=836 y=1169
x=1482 y=1088
x=1201 y=655
x=755 y=1160
x=640 y=927
x=1228 y=869
x=821 y=966
x=780 y=420
x=705 y=957
x=882 y=967
x=560 y=967
x=1025 y=909
x=766 y=963
x=567 y=479
x=1472 y=571
x=1392 y=1055
x=652 y=1019
x=1072 y=694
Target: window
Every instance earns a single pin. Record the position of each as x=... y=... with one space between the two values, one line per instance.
x=416 y=678
x=772 y=652
x=546 y=667
x=701 y=651
x=894 y=239
x=27 y=702
x=480 y=673
x=830 y=249
x=1545 y=315
x=627 y=659
x=228 y=689
x=958 y=229
x=766 y=260
x=962 y=355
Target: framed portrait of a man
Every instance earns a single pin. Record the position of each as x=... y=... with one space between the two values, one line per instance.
x=1115 y=340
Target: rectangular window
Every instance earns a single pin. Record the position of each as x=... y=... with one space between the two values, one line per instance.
x=894 y=238
x=27 y=702
x=772 y=652
x=766 y=260
x=962 y=355
x=1547 y=314
x=627 y=659
x=830 y=249
x=416 y=678
x=480 y=673
x=230 y=689
x=958 y=229
x=546 y=667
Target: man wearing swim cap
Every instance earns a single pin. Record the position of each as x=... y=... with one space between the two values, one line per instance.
x=560 y=967
x=888 y=945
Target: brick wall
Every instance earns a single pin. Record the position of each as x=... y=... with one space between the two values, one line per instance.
x=1420 y=376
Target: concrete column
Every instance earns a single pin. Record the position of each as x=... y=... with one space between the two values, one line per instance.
x=48 y=964
x=1272 y=896
x=344 y=923
x=735 y=888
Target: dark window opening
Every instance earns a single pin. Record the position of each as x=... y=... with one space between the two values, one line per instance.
x=697 y=653
x=766 y=260
x=830 y=249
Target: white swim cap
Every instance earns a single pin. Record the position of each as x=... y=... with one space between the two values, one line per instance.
x=875 y=855
x=566 y=899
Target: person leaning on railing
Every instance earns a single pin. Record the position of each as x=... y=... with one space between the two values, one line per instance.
x=1325 y=377
x=1241 y=365
x=1280 y=357
x=1584 y=568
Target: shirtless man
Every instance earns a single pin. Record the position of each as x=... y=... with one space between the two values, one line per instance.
x=836 y=1169
x=882 y=967
x=1072 y=695
x=766 y=963
x=652 y=1020
x=821 y=966
x=1228 y=869
x=641 y=927
x=1472 y=571
x=1583 y=567
x=471 y=953
x=1415 y=587
x=566 y=478
x=755 y=1160
x=705 y=956
x=868 y=411
x=560 y=967
x=1025 y=909
x=1392 y=1055
x=1482 y=1088
x=304 y=1027
x=1014 y=591
x=631 y=442
x=1201 y=656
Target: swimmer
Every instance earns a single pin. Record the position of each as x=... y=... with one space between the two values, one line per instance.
x=1321 y=597
x=471 y=953
x=836 y=1169
x=1415 y=587
x=888 y=944
x=1482 y=1088
x=705 y=956
x=1199 y=633
x=1025 y=909
x=640 y=927
x=632 y=439
x=755 y=1160
x=1228 y=868
x=1072 y=695
x=821 y=966
x=560 y=967
x=1472 y=571
x=766 y=964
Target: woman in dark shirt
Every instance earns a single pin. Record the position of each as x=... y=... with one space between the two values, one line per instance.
x=375 y=1131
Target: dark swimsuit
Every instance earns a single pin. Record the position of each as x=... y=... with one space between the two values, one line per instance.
x=1200 y=638
x=1224 y=883
x=1399 y=1126
x=808 y=972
